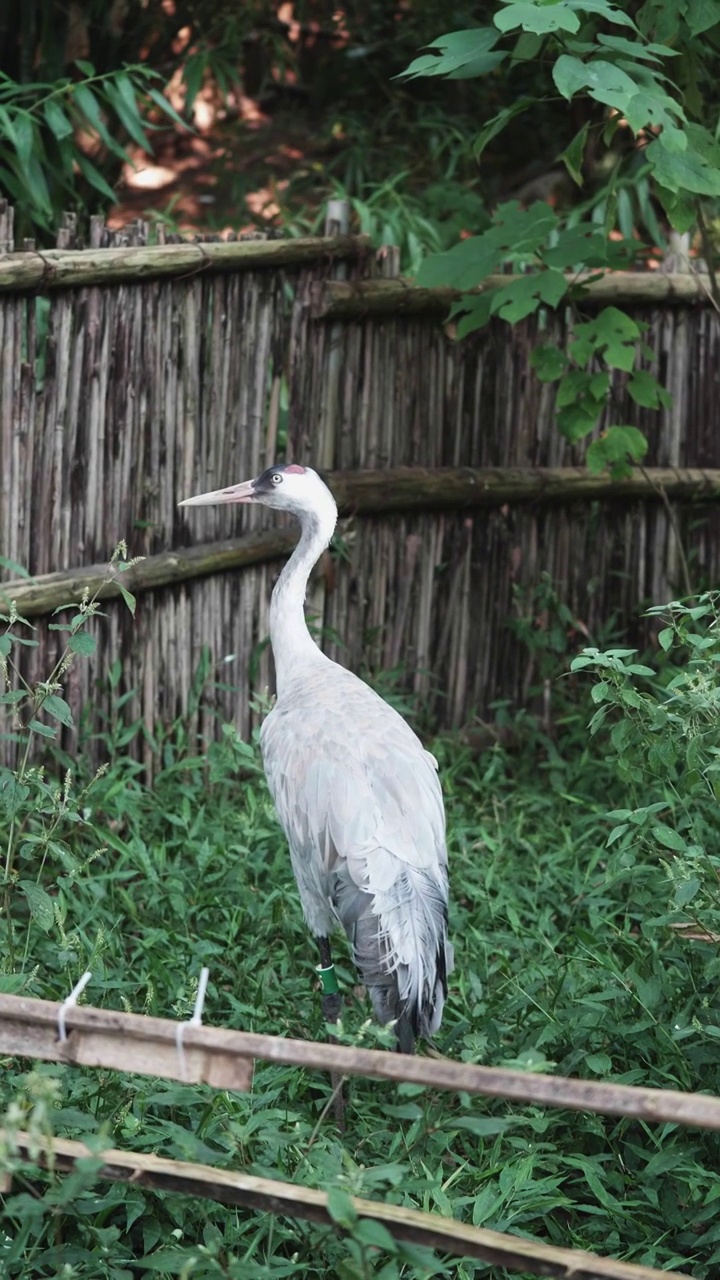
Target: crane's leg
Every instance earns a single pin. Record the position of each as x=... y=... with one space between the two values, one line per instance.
x=331 y=1006
x=331 y=998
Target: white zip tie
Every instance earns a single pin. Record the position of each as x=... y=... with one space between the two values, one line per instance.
x=67 y=1004
x=195 y=1021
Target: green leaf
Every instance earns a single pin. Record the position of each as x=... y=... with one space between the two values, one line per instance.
x=541 y=19
x=636 y=48
x=616 y=445
x=5 y=645
x=695 y=170
x=498 y=123
x=465 y=265
x=572 y=156
x=128 y=597
x=483 y=1126
x=374 y=1235
x=341 y=1208
x=57 y=121
x=39 y=902
x=462 y=54
x=549 y=363
x=645 y=390
x=701 y=15
x=45 y=730
x=604 y=81
x=13 y=567
x=82 y=642
x=612 y=333
x=666 y=638
x=94 y=177
x=669 y=838
x=86 y=67
x=128 y=115
x=686 y=890
x=475 y=313
x=600 y=1063
x=58 y=709
x=522 y=297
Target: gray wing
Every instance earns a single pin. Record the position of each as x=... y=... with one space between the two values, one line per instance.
x=361 y=806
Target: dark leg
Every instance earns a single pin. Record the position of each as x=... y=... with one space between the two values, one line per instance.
x=331 y=1006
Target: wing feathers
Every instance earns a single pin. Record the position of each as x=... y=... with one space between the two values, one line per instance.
x=363 y=813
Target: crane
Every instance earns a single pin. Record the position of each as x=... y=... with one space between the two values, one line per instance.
x=357 y=795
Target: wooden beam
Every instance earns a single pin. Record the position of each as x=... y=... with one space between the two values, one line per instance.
x=368 y=493
x=29 y=1028
x=344 y=300
x=266 y=1195
x=76 y=268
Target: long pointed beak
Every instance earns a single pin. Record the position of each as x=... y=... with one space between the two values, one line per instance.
x=244 y=492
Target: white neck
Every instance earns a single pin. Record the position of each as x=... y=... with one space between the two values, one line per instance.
x=293 y=646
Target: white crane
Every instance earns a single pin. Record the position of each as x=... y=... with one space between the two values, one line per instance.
x=357 y=795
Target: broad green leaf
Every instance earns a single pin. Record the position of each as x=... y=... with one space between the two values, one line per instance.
x=600 y=1063
x=375 y=1235
x=549 y=363
x=669 y=838
x=82 y=642
x=701 y=15
x=58 y=708
x=525 y=295
x=341 y=1208
x=5 y=645
x=483 y=1126
x=645 y=390
x=610 y=12
x=616 y=446
x=696 y=170
x=463 y=54
x=653 y=107
x=464 y=266
x=612 y=333
x=681 y=210
x=576 y=420
x=541 y=19
x=686 y=890
x=604 y=81
x=24 y=137
x=475 y=313
x=45 y=730
x=39 y=902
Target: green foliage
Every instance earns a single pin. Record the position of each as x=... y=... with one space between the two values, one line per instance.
x=39 y=816
x=664 y=744
x=566 y=962
x=40 y=156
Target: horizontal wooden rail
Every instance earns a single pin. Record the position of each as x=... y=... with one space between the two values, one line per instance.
x=268 y=1196
x=128 y=1041
x=367 y=493
x=76 y=268
x=343 y=300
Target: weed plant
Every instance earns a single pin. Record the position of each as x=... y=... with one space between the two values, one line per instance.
x=566 y=962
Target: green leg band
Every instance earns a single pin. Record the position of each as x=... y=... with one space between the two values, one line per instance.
x=328 y=979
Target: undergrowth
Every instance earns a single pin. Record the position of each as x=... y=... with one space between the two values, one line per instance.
x=566 y=962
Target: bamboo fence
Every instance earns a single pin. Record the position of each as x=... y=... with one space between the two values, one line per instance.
x=132 y=375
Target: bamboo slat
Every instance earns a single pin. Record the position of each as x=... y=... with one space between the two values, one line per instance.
x=229 y=1186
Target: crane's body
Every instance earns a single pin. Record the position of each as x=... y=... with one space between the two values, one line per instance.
x=357 y=795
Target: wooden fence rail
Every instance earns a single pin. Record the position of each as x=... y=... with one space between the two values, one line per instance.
x=224 y=1059
x=268 y=1196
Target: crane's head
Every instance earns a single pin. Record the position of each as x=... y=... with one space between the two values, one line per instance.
x=298 y=490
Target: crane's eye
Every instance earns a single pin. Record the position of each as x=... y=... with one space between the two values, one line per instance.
x=276 y=478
